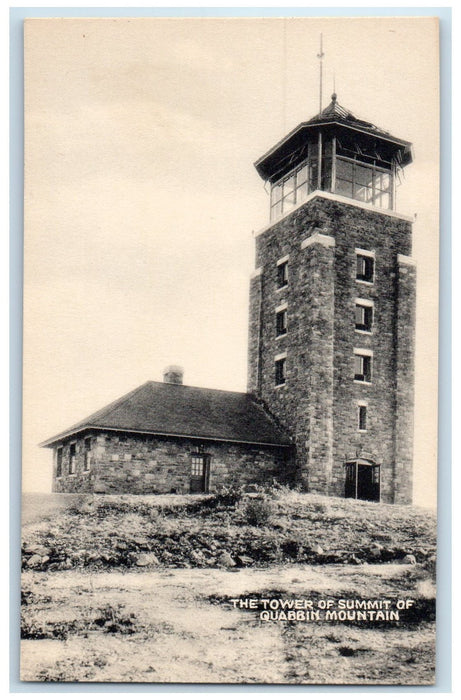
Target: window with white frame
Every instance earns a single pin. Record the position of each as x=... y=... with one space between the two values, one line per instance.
x=365 y=182
x=291 y=190
x=362 y=365
x=363 y=315
x=198 y=464
x=365 y=266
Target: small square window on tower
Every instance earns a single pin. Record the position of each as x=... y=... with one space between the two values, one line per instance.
x=282 y=273
x=362 y=417
x=365 y=266
x=362 y=365
x=281 y=320
x=363 y=315
x=280 y=369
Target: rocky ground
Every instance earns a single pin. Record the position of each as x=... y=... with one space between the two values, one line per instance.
x=140 y=589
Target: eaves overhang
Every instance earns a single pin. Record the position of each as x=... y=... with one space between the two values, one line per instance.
x=211 y=438
x=263 y=164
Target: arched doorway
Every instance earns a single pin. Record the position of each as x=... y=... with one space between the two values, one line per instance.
x=363 y=479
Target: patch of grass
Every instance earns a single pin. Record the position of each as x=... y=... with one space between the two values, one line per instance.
x=347 y=651
x=109 y=619
x=30 y=598
x=112 y=619
x=36 y=629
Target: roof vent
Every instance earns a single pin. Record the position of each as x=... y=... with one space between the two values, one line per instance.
x=173 y=374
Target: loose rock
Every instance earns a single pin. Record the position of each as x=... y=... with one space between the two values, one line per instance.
x=225 y=559
x=409 y=559
x=34 y=562
x=317 y=549
x=243 y=560
x=38 y=549
x=146 y=559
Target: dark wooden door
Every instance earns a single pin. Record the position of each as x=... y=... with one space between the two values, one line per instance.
x=351 y=480
x=199 y=476
x=367 y=483
x=362 y=481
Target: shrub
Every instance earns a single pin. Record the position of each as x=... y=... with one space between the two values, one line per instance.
x=113 y=619
x=257 y=511
x=229 y=495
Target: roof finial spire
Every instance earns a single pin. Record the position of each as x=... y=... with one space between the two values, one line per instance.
x=334 y=96
x=320 y=56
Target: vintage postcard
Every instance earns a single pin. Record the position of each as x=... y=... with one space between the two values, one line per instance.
x=230 y=350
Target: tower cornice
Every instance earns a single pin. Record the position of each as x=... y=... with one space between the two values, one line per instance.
x=343 y=200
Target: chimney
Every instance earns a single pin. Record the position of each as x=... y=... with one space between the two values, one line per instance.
x=173 y=374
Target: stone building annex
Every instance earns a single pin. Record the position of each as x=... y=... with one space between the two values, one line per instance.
x=331 y=345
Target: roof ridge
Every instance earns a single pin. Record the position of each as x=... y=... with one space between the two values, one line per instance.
x=202 y=388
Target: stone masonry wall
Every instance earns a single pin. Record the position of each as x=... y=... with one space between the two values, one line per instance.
x=405 y=361
x=351 y=227
x=316 y=332
x=81 y=481
x=124 y=463
x=387 y=237
x=254 y=334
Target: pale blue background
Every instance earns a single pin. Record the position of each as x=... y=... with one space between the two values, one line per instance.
x=17 y=15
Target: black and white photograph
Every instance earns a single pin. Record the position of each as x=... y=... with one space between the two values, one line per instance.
x=231 y=241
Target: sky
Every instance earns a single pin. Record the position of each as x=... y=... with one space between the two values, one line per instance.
x=141 y=199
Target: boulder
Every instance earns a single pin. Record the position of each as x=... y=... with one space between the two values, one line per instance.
x=226 y=560
x=376 y=550
x=408 y=559
x=317 y=549
x=244 y=560
x=37 y=549
x=197 y=556
x=146 y=559
x=376 y=545
x=34 y=562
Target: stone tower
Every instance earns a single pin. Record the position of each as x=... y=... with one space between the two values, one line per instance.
x=332 y=307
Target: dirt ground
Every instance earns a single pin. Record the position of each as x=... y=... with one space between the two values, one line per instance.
x=178 y=626
x=139 y=589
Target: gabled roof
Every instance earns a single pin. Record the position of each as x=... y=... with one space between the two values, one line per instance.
x=159 y=408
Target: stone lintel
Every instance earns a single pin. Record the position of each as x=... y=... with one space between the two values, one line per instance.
x=405 y=260
x=321 y=238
